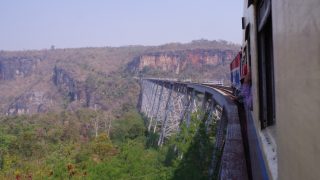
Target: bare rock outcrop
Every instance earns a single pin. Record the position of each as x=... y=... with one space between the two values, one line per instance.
x=12 y=68
x=30 y=103
x=178 y=61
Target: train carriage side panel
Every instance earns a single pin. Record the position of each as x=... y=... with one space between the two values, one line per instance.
x=258 y=149
x=235 y=73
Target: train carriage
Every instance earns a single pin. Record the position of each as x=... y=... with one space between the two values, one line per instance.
x=235 y=73
x=280 y=40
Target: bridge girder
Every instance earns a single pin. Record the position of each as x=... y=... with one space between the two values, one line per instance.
x=167 y=104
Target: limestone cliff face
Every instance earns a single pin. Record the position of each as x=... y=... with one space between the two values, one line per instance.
x=12 y=68
x=178 y=61
x=31 y=102
x=78 y=93
x=166 y=62
x=70 y=87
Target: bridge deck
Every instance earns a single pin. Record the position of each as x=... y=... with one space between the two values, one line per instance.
x=233 y=161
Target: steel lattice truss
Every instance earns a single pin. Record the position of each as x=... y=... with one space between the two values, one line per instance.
x=167 y=105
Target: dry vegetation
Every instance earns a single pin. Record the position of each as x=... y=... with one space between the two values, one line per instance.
x=101 y=70
x=100 y=134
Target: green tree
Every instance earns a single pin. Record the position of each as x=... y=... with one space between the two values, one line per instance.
x=103 y=147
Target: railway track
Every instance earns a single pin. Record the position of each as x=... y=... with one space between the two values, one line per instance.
x=226 y=90
x=243 y=122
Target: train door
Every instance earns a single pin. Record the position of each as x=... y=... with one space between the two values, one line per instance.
x=265 y=64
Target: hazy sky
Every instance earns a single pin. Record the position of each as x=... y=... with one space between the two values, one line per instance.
x=38 y=24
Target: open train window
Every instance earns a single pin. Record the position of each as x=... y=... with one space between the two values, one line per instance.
x=244 y=64
x=265 y=64
x=247 y=64
x=248 y=48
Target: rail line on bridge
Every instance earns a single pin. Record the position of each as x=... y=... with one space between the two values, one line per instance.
x=168 y=103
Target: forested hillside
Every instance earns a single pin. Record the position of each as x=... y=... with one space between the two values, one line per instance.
x=72 y=113
x=66 y=145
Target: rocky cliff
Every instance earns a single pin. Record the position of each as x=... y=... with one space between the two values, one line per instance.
x=32 y=102
x=73 y=89
x=101 y=78
x=182 y=63
x=77 y=93
x=15 y=67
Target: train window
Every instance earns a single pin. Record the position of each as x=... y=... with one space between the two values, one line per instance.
x=247 y=52
x=243 y=67
x=250 y=2
x=265 y=65
x=232 y=76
